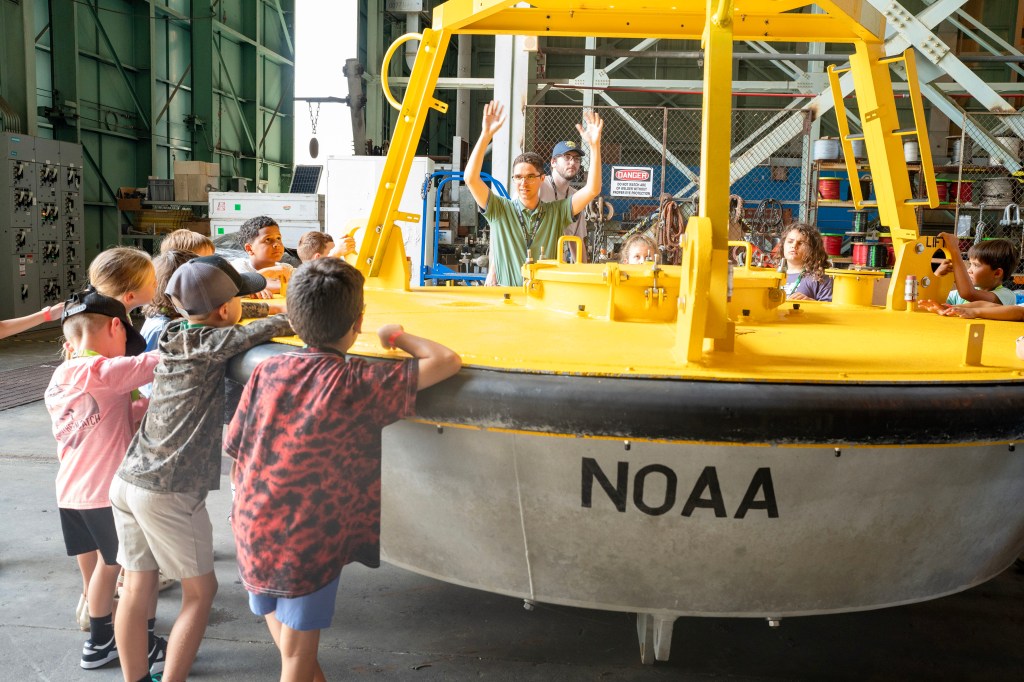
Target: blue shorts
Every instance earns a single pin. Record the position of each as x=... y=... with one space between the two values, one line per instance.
x=312 y=612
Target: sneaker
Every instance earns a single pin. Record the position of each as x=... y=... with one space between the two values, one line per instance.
x=165 y=582
x=156 y=678
x=82 y=613
x=157 y=656
x=98 y=655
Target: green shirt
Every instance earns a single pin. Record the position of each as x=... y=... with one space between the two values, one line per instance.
x=1005 y=296
x=513 y=226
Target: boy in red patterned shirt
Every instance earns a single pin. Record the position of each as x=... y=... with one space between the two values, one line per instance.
x=307 y=440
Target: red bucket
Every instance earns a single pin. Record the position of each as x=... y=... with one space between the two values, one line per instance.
x=828 y=188
x=941 y=189
x=833 y=244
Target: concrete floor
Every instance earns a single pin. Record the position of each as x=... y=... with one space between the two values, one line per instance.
x=392 y=624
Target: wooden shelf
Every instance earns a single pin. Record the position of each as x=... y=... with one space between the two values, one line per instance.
x=836 y=203
x=174 y=204
x=840 y=165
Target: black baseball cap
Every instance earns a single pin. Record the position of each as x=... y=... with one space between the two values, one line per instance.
x=92 y=301
x=204 y=284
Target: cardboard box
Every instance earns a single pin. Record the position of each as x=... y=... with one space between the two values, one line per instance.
x=181 y=187
x=200 y=186
x=196 y=168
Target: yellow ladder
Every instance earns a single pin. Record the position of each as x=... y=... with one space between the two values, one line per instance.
x=919 y=130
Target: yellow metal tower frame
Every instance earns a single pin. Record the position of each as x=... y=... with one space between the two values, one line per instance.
x=703 y=315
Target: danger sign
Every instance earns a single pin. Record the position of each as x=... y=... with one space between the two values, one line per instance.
x=632 y=181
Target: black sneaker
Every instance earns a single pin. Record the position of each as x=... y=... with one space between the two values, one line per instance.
x=157 y=656
x=97 y=656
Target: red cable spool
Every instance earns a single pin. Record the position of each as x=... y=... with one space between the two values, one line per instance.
x=828 y=188
x=860 y=253
x=961 y=191
x=833 y=244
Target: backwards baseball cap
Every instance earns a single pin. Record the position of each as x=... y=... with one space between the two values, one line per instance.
x=204 y=284
x=566 y=147
x=92 y=301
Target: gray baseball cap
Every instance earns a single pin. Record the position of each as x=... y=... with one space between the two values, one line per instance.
x=204 y=284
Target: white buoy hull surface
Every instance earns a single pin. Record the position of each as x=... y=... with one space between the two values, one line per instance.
x=698 y=529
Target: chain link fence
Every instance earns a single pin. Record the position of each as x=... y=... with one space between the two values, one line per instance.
x=651 y=157
x=979 y=186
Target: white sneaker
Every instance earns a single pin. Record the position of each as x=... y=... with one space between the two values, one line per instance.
x=98 y=655
x=165 y=583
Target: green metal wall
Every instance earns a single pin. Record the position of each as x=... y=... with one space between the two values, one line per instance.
x=142 y=84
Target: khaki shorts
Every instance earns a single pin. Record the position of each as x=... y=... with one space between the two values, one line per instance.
x=169 y=531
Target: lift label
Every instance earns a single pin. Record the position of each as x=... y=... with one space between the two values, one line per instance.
x=632 y=181
x=705 y=493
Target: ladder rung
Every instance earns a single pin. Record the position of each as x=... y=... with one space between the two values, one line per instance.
x=840 y=69
x=869 y=203
x=892 y=60
x=901 y=132
x=854 y=136
x=917 y=202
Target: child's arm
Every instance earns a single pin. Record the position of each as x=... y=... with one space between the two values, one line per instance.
x=127 y=373
x=1012 y=313
x=437 y=362
x=257 y=309
x=494 y=118
x=346 y=245
x=964 y=286
x=223 y=343
x=20 y=324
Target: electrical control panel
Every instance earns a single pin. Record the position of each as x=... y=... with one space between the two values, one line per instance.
x=42 y=254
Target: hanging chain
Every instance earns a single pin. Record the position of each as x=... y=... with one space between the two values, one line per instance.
x=313 y=116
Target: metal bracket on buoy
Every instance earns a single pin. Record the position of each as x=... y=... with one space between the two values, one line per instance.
x=655 y=634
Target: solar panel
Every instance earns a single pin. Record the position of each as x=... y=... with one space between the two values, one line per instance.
x=305 y=179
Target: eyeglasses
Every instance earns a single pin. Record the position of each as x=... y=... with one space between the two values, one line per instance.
x=532 y=177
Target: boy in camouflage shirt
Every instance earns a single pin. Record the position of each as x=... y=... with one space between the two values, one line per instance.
x=159 y=492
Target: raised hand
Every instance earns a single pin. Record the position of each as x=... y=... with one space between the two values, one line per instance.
x=591 y=135
x=494 y=118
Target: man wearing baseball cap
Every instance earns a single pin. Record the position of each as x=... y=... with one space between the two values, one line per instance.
x=159 y=492
x=565 y=165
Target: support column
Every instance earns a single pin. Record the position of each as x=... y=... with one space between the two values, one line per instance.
x=64 y=70
x=716 y=145
x=375 y=104
x=511 y=88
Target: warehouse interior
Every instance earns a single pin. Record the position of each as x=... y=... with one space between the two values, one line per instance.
x=126 y=119
x=135 y=88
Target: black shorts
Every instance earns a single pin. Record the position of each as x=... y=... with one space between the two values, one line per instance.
x=86 y=530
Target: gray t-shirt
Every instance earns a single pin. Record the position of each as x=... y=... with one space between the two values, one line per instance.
x=578 y=228
x=178 y=446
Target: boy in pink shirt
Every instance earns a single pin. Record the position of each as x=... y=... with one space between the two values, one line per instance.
x=90 y=403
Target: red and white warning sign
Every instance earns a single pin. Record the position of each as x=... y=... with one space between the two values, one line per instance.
x=632 y=181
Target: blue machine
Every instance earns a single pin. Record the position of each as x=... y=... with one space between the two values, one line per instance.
x=435 y=270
